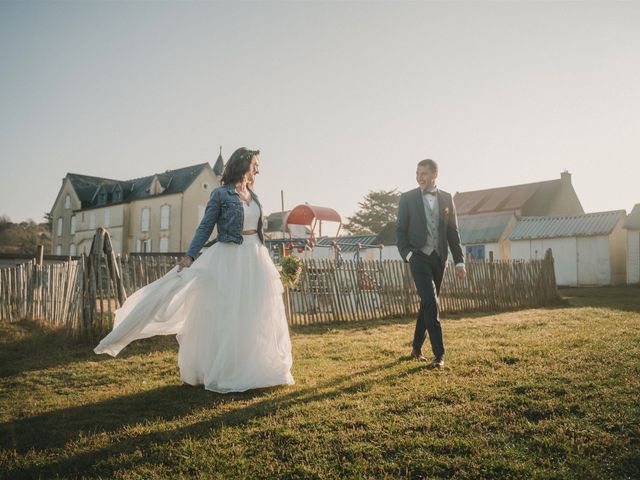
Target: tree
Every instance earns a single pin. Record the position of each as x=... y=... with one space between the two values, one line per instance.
x=376 y=210
x=48 y=219
x=23 y=237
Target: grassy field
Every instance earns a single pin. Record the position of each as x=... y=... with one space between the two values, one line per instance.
x=541 y=393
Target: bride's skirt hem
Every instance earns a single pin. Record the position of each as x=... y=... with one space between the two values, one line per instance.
x=214 y=389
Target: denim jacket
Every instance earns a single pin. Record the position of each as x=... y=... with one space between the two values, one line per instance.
x=225 y=210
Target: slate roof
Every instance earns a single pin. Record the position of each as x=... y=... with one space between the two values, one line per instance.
x=218 y=167
x=387 y=235
x=349 y=243
x=473 y=229
x=633 y=219
x=528 y=199
x=587 y=225
x=87 y=186
x=173 y=181
x=483 y=228
x=275 y=221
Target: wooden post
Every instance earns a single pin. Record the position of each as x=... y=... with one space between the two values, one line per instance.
x=39 y=255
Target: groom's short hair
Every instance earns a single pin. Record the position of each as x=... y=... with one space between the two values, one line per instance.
x=431 y=164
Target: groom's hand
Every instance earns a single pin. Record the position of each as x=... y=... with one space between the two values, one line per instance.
x=461 y=272
x=185 y=262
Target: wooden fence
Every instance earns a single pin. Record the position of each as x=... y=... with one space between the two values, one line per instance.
x=355 y=290
x=41 y=292
x=83 y=294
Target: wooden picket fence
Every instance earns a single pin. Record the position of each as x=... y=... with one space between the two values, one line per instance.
x=41 y=292
x=363 y=289
x=83 y=294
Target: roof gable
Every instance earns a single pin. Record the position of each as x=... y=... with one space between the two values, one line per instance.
x=632 y=221
x=503 y=199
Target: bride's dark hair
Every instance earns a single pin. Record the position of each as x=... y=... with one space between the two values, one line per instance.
x=238 y=165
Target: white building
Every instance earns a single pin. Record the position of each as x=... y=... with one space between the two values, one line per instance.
x=588 y=249
x=487 y=217
x=632 y=226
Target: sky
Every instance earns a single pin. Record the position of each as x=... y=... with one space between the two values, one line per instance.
x=342 y=98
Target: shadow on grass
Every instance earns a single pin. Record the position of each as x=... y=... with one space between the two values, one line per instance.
x=626 y=298
x=40 y=346
x=55 y=429
x=353 y=325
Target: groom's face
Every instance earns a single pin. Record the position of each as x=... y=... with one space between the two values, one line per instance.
x=426 y=178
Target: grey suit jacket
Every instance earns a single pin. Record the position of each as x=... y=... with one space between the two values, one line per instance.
x=411 y=225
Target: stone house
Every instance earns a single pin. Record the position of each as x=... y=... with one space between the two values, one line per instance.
x=156 y=213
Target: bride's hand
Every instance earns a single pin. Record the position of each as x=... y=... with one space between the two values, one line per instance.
x=185 y=262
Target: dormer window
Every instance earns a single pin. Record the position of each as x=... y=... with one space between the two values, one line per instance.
x=102 y=196
x=117 y=194
x=156 y=187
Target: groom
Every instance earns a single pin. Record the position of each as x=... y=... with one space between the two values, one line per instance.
x=426 y=229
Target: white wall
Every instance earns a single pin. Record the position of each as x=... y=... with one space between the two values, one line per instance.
x=564 y=255
x=577 y=261
x=492 y=247
x=633 y=256
x=594 y=262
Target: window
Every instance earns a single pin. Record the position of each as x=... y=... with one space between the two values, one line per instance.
x=205 y=186
x=117 y=194
x=72 y=250
x=107 y=218
x=475 y=252
x=102 y=196
x=201 y=209
x=164 y=217
x=58 y=249
x=144 y=246
x=59 y=226
x=144 y=220
x=72 y=226
x=67 y=201
x=92 y=220
x=164 y=245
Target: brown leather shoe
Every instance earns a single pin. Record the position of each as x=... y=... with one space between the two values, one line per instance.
x=418 y=356
x=437 y=362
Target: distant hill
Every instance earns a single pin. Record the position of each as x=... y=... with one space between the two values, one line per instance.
x=23 y=237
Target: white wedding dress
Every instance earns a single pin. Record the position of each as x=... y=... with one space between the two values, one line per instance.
x=227 y=312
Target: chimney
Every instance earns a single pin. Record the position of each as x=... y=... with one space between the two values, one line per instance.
x=565 y=177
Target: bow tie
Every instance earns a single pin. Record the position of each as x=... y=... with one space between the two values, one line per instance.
x=432 y=192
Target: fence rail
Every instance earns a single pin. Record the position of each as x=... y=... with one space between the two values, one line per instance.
x=83 y=294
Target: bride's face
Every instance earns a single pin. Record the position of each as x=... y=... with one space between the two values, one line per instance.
x=253 y=170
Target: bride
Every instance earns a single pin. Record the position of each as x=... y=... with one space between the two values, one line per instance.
x=225 y=306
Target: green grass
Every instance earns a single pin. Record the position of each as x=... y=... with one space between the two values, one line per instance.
x=541 y=393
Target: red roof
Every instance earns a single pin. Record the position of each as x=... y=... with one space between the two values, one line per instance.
x=304 y=215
